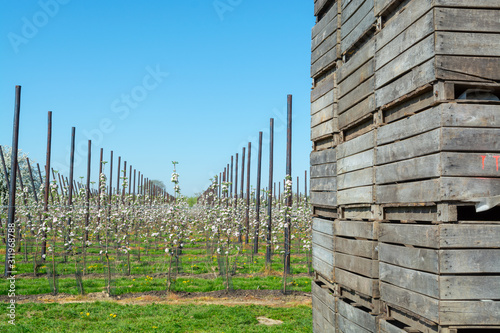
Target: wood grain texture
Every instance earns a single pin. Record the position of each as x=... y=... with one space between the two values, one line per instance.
x=357 y=178
x=324 y=156
x=358 y=229
x=324 y=199
x=359 y=93
x=346 y=325
x=356 y=145
x=361 y=284
x=357 y=112
x=426 y=260
x=410 y=234
x=412 y=192
x=469 y=236
x=357 y=195
x=414 y=169
x=469 y=261
x=323 y=170
x=358 y=247
x=409 y=279
x=466 y=68
x=469 y=313
x=467 y=44
x=323 y=184
x=355 y=162
x=358 y=265
x=358 y=316
x=469 y=287
x=323 y=226
x=387 y=327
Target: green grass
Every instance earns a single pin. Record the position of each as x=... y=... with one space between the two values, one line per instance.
x=146 y=283
x=112 y=317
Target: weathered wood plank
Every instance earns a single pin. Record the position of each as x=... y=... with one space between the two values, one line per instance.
x=357 y=112
x=323 y=226
x=414 y=258
x=358 y=59
x=462 y=188
x=421 y=122
x=361 y=284
x=460 y=19
x=358 y=316
x=469 y=313
x=355 y=179
x=324 y=86
x=469 y=236
x=468 y=3
x=322 y=268
x=324 y=156
x=357 y=195
x=469 y=287
x=356 y=145
x=415 y=33
x=364 y=72
x=413 y=213
x=323 y=240
x=319 y=5
x=467 y=44
x=330 y=213
x=347 y=326
x=410 y=234
x=409 y=107
x=321 y=25
x=325 y=199
x=449 y=67
x=361 y=229
x=323 y=170
x=413 y=169
x=323 y=115
x=355 y=162
x=358 y=213
x=324 y=184
x=469 y=261
x=422 y=305
x=423 y=144
x=357 y=247
x=469 y=164
x=359 y=265
x=354 y=96
x=420 y=282
x=470 y=139
x=470 y=115
x=404 y=62
x=356 y=26
x=419 y=191
x=387 y=327
x=402 y=20
x=323 y=309
x=324 y=295
x=329 y=43
x=323 y=102
x=324 y=63
x=324 y=129
x=416 y=78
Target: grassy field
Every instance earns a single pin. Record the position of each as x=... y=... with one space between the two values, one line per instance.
x=112 y=317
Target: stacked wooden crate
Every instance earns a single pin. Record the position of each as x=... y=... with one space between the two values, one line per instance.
x=415 y=142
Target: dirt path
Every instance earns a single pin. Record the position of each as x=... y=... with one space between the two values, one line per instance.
x=272 y=298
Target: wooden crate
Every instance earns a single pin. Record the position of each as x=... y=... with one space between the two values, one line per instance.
x=323 y=178
x=447 y=274
x=425 y=42
x=357 y=20
x=355 y=160
x=356 y=91
x=324 y=305
x=351 y=317
x=323 y=248
x=324 y=118
x=445 y=153
x=325 y=49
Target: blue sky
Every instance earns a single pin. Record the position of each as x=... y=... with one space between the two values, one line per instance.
x=157 y=81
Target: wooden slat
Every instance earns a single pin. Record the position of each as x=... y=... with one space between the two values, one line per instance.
x=323 y=226
x=322 y=268
x=357 y=195
x=358 y=316
x=364 y=72
x=468 y=4
x=410 y=234
x=324 y=63
x=324 y=156
x=411 y=213
x=358 y=213
x=469 y=313
x=358 y=265
x=355 y=179
x=323 y=184
x=470 y=139
x=324 y=295
x=323 y=130
x=322 y=102
x=325 y=311
x=320 y=4
x=359 y=93
x=360 y=229
x=387 y=327
x=408 y=127
x=469 y=287
x=360 y=57
x=463 y=188
x=413 y=169
x=326 y=114
x=357 y=247
x=356 y=112
x=410 y=58
x=419 y=191
x=409 y=107
x=328 y=44
x=469 y=164
x=450 y=67
x=416 y=78
x=347 y=326
x=355 y=162
x=324 y=170
x=470 y=115
x=356 y=25
x=325 y=199
x=323 y=240
x=422 y=305
x=469 y=236
x=420 y=282
x=361 y=284
x=473 y=20
x=416 y=32
x=423 y=144
x=356 y=145
x=324 y=86
x=469 y=261
x=321 y=25
x=467 y=44
x=414 y=258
